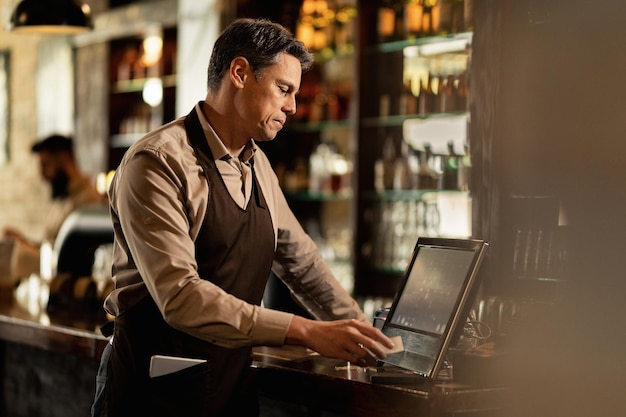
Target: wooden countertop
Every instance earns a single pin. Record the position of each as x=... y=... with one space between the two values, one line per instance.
x=303 y=377
x=24 y=319
x=289 y=374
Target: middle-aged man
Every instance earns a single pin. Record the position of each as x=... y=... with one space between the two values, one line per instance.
x=200 y=222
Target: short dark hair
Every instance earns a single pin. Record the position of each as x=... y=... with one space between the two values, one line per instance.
x=260 y=41
x=54 y=143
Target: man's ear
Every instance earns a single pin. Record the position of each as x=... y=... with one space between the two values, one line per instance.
x=239 y=71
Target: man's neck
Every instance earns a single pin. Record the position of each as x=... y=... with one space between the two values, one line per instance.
x=218 y=120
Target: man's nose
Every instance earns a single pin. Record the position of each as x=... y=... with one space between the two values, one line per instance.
x=290 y=105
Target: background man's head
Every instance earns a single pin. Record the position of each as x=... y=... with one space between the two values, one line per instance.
x=56 y=162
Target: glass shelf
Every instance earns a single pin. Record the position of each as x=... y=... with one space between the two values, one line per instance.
x=329 y=54
x=125 y=140
x=407 y=195
x=304 y=127
x=318 y=196
x=137 y=84
x=398 y=120
x=444 y=44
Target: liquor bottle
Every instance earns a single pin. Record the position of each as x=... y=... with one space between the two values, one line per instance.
x=445 y=17
x=398 y=9
x=428 y=179
x=413 y=17
x=468 y=15
x=431 y=17
x=457 y=17
x=465 y=169
x=386 y=23
x=438 y=100
x=385 y=166
x=447 y=93
x=344 y=26
x=403 y=178
x=462 y=93
x=426 y=96
x=407 y=100
x=450 y=169
x=317 y=169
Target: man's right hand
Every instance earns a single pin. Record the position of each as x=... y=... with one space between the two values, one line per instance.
x=349 y=340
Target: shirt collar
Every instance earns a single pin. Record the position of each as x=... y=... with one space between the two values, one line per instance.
x=216 y=145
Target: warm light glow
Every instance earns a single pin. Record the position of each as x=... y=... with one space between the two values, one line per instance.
x=305 y=33
x=152 y=92
x=414 y=17
x=308 y=7
x=340 y=166
x=50 y=30
x=152 y=49
x=386 y=22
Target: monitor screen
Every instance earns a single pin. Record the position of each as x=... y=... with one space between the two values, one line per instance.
x=432 y=289
x=433 y=301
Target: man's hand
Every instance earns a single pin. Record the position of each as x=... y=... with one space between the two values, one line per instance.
x=15 y=234
x=350 y=340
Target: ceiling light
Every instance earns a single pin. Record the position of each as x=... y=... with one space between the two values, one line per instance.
x=51 y=17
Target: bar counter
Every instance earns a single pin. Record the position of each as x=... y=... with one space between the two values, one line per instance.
x=48 y=365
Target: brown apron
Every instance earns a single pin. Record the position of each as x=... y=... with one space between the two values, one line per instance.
x=234 y=250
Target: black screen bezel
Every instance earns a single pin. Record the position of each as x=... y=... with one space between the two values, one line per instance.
x=429 y=366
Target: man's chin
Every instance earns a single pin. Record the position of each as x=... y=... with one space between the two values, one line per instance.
x=266 y=137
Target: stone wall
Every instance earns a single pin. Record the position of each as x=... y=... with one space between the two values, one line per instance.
x=23 y=196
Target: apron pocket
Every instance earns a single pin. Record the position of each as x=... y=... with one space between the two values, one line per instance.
x=188 y=392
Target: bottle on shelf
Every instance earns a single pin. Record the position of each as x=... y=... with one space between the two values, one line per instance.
x=431 y=17
x=465 y=169
x=408 y=102
x=428 y=178
x=413 y=18
x=450 y=169
x=124 y=69
x=384 y=167
x=386 y=21
x=462 y=93
x=445 y=17
x=405 y=171
x=425 y=102
x=438 y=100
x=317 y=169
x=398 y=9
x=447 y=93
x=344 y=28
x=468 y=15
x=457 y=17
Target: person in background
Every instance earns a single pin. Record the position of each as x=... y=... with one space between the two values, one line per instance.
x=70 y=190
x=200 y=221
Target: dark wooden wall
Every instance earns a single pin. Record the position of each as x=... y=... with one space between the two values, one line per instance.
x=548 y=119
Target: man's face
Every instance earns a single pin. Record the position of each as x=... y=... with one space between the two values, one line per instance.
x=264 y=104
x=52 y=170
x=49 y=165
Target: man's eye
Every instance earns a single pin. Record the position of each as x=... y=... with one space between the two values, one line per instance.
x=284 y=90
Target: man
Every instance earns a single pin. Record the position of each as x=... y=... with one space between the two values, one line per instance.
x=200 y=221
x=70 y=190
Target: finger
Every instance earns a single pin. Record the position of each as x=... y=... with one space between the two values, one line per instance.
x=375 y=349
x=374 y=333
x=368 y=358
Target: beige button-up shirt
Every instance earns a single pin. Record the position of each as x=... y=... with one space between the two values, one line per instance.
x=158 y=200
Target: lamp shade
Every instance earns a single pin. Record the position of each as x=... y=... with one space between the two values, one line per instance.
x=51 y=17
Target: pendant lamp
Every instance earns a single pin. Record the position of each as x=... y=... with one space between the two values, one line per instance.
x=51 y=17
